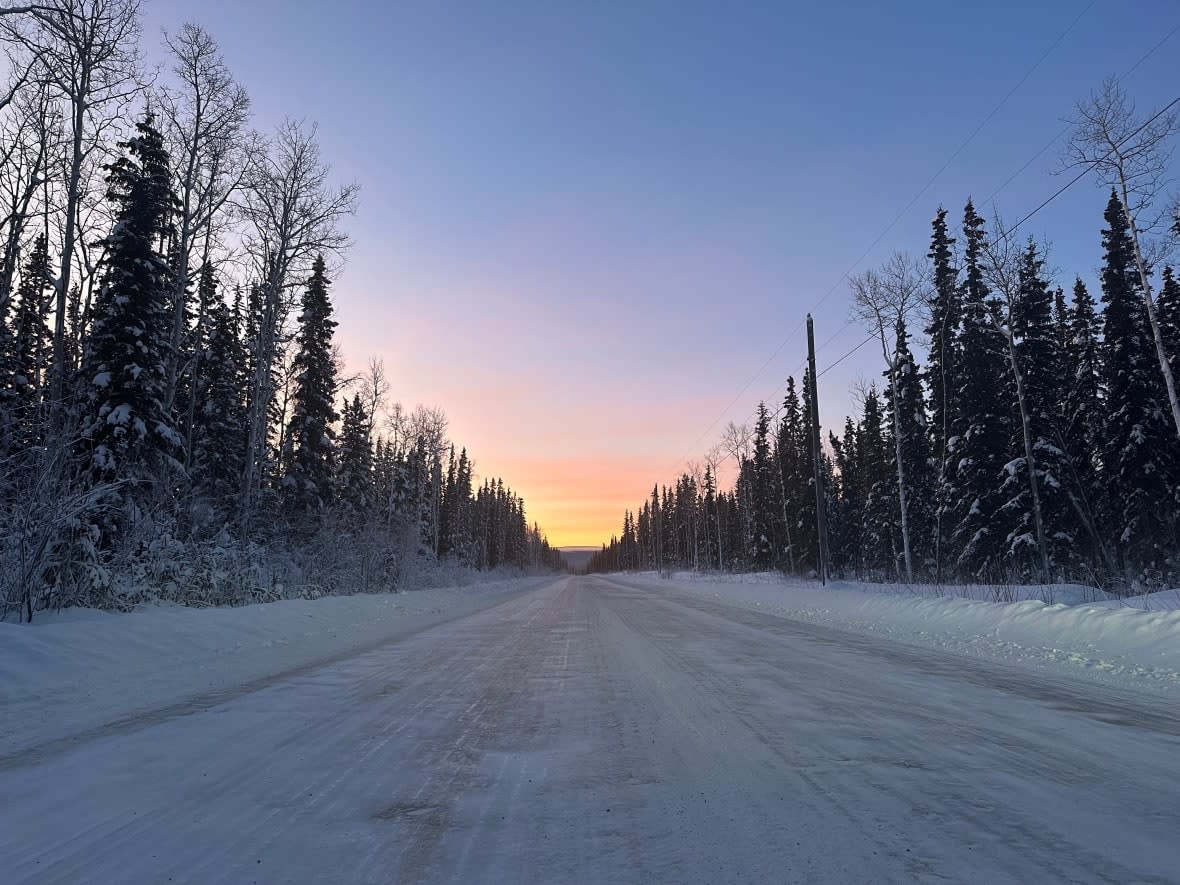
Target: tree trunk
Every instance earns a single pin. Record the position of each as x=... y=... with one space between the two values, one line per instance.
x=1141 y=265
x=1030 y=460
x=901 y=492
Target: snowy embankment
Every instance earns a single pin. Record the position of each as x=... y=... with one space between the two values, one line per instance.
x=1132 y=644
x=81 y=669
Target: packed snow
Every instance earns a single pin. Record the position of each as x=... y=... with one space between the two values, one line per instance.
x=1069 y=628
x=602 y=730
x=80 y=669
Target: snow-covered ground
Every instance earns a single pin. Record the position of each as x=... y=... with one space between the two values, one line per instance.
x=609 y=730
x=1078 y=631
x=80 y=669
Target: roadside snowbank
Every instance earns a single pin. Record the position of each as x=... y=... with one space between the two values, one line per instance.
x=80 y=669
x=1105 y=640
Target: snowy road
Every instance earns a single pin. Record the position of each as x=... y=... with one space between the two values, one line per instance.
x=597 y=730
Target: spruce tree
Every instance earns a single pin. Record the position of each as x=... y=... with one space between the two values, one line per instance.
x=1042 y=364
x=792 y=450
x=219 y=410
x=128 y=433
x=354 y=478
x=307 y=485
x=917 y=459
x=1135 y=443
x=1168 y=315
x=762 y=496
x=942 y=375
x=878 y=479
x=24 y=348
x=979 y=446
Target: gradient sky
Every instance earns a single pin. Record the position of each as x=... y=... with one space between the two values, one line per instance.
x=586 y=227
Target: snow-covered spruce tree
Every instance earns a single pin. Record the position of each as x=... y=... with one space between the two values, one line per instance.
x=978 y=446
x=307 y=483
x=219 y=446
x=794 y=464
x=1083 y=410
x=127 y=434
x=917 y=459
x=879 y=520
x=762 y=498
x=844 y=524
x=24 y=347
x=1137 y=448
x=354 y=474
x=942 y=371
x=1168 y=313
x=1041 y=365
x=807 y=537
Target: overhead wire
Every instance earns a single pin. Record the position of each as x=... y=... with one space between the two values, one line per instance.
x=893 y=223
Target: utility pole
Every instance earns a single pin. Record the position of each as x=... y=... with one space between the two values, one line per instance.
x=821 y=519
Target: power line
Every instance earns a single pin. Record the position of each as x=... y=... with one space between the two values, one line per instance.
x=901 y=213
x=1088 y=167
x=1143 y=58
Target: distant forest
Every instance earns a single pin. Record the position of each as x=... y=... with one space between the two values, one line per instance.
x=1038 y=443
x=174 y=419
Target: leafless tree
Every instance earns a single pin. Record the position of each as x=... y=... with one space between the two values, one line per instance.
x=30 y=148
x=292 y=213
x=87 y=52
x=1130 y=155
x=883 y=300
x=204 y=114
x=374 y=390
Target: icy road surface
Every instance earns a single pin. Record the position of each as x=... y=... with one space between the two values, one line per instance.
x=599 y=730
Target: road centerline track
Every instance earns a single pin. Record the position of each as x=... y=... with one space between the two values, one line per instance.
x=606 y=731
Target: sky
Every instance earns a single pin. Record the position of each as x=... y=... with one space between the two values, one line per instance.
x=590 y=231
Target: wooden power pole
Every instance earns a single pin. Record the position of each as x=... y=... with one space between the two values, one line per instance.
x=821 y=519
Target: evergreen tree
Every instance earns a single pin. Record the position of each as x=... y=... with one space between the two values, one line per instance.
x=308 y=482
x=1042 y=364
x=219 y=410
x=1168 y=316
x=945 y=316
x=1083 y=415
x=917 y=459
x=979 y=446
x=354 y=477
x=942 y=375
x=762 y=493
x=808 y=535
x=845 y=524
x=878 y=479
x=24 y=348
x=126 y=429
x=1136 y=446
x=792 y=450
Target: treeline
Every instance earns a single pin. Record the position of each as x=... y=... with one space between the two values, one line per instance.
x=174 y=420
x=1038 y=442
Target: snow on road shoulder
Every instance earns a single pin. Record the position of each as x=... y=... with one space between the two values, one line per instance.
x=1123 y=646
x=80 y=669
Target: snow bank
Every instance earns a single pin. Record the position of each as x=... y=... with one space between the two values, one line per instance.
x=79 y=669
x=1106 y=640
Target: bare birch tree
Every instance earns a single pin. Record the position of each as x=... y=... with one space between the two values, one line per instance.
x=1130 y=155
x=87 y=52
x=883 y=300
x=205 y=115
x=292 y=213
x=30 y=146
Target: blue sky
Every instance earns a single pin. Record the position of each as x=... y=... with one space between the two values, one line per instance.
x=584 y=227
